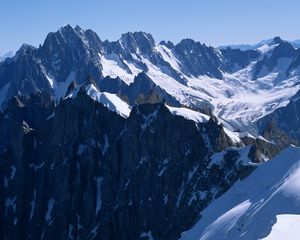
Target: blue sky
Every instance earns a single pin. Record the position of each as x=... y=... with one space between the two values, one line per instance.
x=214 y=22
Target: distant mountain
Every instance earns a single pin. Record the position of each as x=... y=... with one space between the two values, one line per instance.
x=9 y=54
x=283 y=57
x=189 y=73
x=247 y=46
x=295 y=43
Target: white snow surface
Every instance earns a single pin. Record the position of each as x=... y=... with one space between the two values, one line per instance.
x=112 y=66
x=109 y=100
x=189 y=114
x=60 y=88
x=265 y=205
x=201 y=118
x=267 y=47
x=232 y=135
x=287 y=226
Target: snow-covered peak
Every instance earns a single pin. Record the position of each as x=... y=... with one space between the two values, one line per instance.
x=189 y=114
x=270 y=45
x=198 y=117
x=266 y=48
x=109 y=100
x=262 y=206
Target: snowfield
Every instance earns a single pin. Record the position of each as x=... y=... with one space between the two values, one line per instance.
x=287 y=226
x=265 y=205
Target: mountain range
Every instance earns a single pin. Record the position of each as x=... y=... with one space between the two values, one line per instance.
x=295 y=43
x=134 y=139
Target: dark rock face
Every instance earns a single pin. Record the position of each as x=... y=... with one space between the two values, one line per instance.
x=71 y=49
x=80 y=171
x=198 y=59
x=283 y=49
x=262 y=150
x=286 y=122
x=112 y=85
x=144 y=90
x=238 y=59
x=295 y=63
x=168 y=44
x=66 y=55
x=23 y=74
x=281 y=128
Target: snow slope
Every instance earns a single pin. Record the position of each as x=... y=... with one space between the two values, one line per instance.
x=109 y=100
x=202 y=118
x=265 y=205
x=113 y=67
x=287 y=226
x=60 y=88
x=189 y=114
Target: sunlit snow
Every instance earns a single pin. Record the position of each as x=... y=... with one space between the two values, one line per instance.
x=189 y=114
x=109 y=100
x=256 y=207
